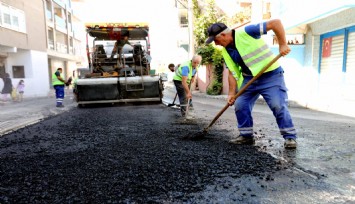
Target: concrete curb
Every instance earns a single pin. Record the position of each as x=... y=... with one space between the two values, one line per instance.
x=10 y=120
x=10 y=127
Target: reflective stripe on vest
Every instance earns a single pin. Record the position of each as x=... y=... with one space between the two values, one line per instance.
x=255 y=53
x=178 y=72
x=56 y=81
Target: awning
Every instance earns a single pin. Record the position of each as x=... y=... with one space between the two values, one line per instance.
x=292 y=27
x=8 y=49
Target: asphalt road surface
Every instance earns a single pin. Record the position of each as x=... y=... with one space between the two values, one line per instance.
x=136 y=154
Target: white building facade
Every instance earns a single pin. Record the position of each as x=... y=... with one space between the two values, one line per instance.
x=37 y=37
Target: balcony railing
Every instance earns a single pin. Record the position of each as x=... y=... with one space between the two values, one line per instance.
x=62 y=48
x=51 y=44
x=71 y=50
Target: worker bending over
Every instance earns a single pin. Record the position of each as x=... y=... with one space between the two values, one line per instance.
x=183 y=77
x=246 y=54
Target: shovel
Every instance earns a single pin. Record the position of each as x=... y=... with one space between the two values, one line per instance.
x=187 y=109
x=202 y=134
x=173 y=104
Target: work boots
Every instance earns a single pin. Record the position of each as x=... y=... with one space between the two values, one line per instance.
x=290 y=143
x=243 y=140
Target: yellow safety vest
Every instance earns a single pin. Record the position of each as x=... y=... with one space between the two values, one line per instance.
x=56 y=81
x=255 y=53
x=178 y=72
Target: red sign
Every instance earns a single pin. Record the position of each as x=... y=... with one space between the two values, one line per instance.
x=327 y=46
x=115 y=35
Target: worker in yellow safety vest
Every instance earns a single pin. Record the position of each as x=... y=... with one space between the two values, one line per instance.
x=245 y=54
x=183 y=77
x=59 y=83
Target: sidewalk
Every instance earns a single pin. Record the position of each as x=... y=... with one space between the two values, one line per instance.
x=15 y=115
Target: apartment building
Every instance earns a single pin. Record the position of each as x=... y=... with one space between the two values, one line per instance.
x=37 y=37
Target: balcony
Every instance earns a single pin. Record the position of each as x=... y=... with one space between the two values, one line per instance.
x=60 y=22
x=70 y=30
x=60 y=3
x=62 y=48
x=51 y=44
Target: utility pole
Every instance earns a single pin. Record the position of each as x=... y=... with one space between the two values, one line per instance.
x=191 y=33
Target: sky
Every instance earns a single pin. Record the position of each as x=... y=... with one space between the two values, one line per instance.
x=110 y=10
x=290 y=11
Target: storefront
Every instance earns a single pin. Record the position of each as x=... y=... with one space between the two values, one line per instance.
x=337 y=62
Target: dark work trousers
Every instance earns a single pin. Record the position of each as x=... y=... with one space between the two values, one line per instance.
x=182 y=96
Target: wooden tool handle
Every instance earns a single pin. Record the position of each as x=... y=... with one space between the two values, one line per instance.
x=243 y=89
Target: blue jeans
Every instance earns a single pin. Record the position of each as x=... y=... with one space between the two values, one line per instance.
x=271 y=86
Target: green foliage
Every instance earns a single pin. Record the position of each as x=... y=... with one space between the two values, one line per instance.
x=215 y=88
x=217 y=58
x=217 y=84
x=206 y=53
x=218 y=71
x=210 y=55
x=202 y=20
x=241 y=17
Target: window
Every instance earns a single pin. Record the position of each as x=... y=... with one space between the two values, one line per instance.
x=6 y=16
x=18 y=71
x=12 y=18
x=183 y=18
x=15 y=22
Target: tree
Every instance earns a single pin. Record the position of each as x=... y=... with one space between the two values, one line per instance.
x=241 y=17
x=209 y=53
x=203 y=19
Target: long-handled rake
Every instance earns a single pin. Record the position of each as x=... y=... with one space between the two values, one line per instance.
x=202 y=134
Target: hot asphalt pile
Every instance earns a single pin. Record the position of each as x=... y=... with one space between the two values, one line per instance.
x=103 y=154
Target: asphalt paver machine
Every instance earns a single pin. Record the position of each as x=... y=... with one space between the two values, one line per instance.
x=119 y=64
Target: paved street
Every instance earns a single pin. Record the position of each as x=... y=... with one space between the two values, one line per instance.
x=321 y=170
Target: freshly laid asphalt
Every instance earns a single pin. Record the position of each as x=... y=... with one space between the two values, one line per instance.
x=115 y=155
